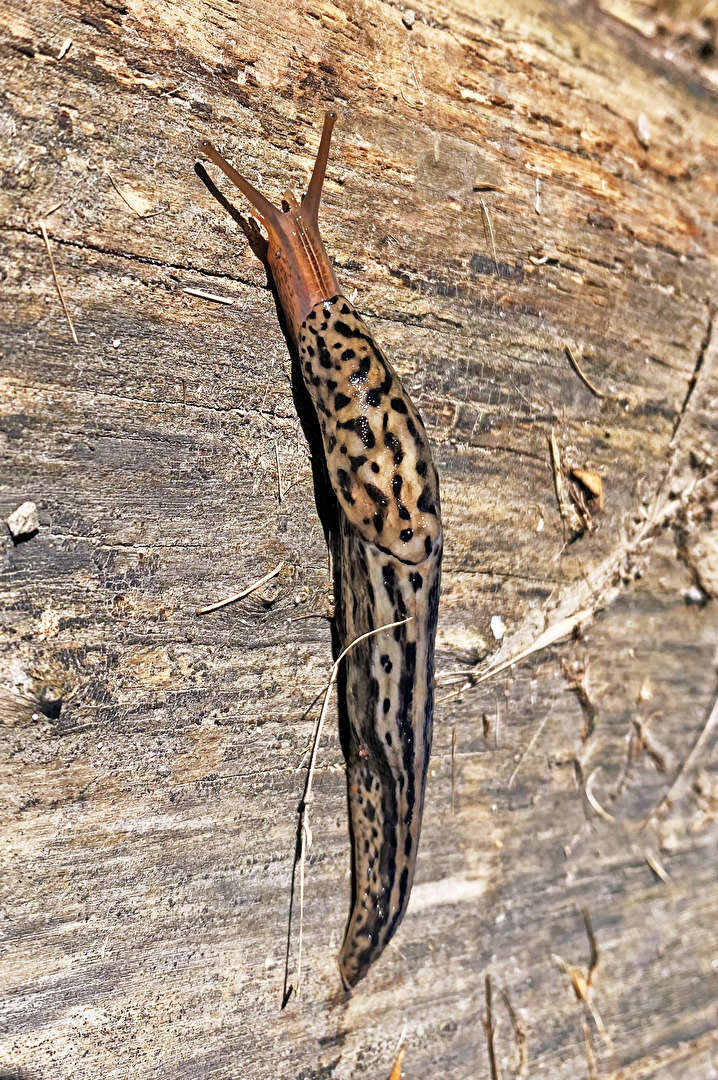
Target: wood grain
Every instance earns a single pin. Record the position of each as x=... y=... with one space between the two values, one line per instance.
x=148 y=756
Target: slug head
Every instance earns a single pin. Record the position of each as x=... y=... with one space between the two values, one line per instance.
x=302 y=273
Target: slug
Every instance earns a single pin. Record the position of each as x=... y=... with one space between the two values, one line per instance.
x=388 y=560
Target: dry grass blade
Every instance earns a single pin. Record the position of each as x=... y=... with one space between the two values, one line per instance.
x=590 y=1052
x=560 y=629
x=490 y=1030
x=582 y=981
x=588 y=789
x=677 y=787
x=487 y=219
x=581 y=374
x=148 y=213
x=453 y=769
x=657 y=869
x=593 y=946
x=421 y=101
x=279 y=472
x=55 y=278
x=240 y=595
x=203 y=295
x=519 y=1035
x=568 y=513
x=528 y=749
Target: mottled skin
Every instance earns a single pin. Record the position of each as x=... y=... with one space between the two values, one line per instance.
x=388 y=554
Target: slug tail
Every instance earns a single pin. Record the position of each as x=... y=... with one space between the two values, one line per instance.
x=381 y=871
x=386 y=710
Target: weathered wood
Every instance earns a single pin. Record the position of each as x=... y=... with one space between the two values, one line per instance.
x=505 y=182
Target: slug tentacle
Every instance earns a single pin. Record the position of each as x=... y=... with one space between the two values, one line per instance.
x=298 y=262
x=388 y=565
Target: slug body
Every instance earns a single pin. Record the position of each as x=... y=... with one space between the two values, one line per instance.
x=388 y=556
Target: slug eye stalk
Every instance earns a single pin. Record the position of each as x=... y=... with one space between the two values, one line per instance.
x=297 y=259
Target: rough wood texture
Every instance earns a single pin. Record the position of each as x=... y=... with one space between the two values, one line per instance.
x=148 y=765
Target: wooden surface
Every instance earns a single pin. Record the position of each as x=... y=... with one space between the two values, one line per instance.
x=506 y=180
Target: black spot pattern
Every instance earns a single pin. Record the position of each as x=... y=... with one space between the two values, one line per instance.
x=388 y=558
x=390 y=709
x=381 y=434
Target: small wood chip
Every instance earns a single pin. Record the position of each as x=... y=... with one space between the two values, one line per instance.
x=643 y=131
x=593 y=800
x=657 y=868
x=592 y=482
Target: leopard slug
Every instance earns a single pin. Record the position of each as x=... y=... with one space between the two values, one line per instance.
x=388 y=558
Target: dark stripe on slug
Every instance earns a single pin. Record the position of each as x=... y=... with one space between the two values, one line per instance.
x=403 y=885
x=404 y=725
x=388 y=577
x=413 y=432
x=345 y=330
x=425 y=502
x=392 y=443
x=364 y=431
x=378 y=497
x=345 y=484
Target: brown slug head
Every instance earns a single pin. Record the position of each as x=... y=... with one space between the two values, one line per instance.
x=300 y=268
